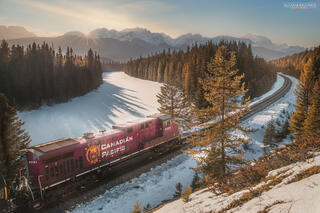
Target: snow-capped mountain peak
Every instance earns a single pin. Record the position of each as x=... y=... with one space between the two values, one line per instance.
x=131 y=34
x=257 y=38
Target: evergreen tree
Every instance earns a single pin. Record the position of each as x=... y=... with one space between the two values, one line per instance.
x=312 y=122
x=178 y=190
x=294 y=65
x=224 y=91
x=269 y=135
x=36 y=75
x=4 y=62
x=183 y=68
x=303 y=92
x=12 y=139
x=195 y=181
x=285 y=129
x=174 y=102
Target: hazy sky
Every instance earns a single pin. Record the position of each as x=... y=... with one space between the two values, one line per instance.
x=173 y=17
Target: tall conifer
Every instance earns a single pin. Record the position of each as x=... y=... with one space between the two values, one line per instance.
x=174 y=102
x=312 y=121
x=224 y=91
x=269 y=135
x=303 y=93
x=12 y=139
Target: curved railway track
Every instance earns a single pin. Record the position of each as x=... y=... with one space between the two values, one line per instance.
x=269 y=100
x=143 y=163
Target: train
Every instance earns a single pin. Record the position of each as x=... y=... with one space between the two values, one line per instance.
x=52 y=163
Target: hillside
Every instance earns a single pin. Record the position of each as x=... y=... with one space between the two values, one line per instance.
x=291 y=188
x=293 y=65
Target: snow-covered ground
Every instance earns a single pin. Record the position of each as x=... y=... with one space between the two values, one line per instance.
x=158 y=184
x=119 y=99
x=149 y=188
x=274 y=113
x=300 y=196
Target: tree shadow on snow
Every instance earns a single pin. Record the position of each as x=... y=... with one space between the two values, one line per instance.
x=94 y=111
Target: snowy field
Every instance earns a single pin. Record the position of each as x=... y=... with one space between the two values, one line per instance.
x=157 y=185
x=119 y=99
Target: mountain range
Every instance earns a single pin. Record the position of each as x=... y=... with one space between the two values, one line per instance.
x=12 y=32
x=136 y=42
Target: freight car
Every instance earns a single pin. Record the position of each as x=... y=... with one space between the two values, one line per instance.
x=53 y=163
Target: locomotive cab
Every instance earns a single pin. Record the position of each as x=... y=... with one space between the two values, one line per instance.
x=166 y=125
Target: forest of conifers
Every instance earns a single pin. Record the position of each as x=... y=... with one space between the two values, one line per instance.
x=38 y=75
x=294 y=64
x=184 y=68
x=305 y=66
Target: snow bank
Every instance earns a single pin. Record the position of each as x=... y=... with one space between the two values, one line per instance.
x=260 y=120
x=120 y=98
x=301 y=196
x=151 y=188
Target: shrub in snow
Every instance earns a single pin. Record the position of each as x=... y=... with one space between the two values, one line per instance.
x=186 y=194
x=178 y=190
x=137 y=208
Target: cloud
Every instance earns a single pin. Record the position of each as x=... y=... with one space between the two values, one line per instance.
x=86 y=15
x=83 y=14
x=148 y=6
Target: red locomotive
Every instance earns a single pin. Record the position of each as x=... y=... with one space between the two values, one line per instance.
x=55 y=162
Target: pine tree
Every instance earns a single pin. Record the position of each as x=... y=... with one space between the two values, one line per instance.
x=195 y=181
x=285 y=129
x=269 y=135
x=224 y=91
x=38 y=75
x=303 y=92
x=137 y=208
x=12 y=139
x=178 y=190
x=312 y=122
x=174 y=102
x=4 y=62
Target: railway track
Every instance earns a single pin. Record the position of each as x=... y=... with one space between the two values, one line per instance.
x=269 y=100
x=141 y=164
